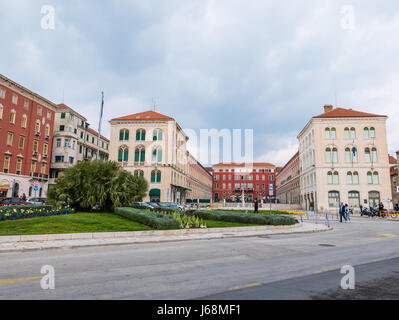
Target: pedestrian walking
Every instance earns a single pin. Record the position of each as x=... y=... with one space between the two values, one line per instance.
x=341 y=211
x=347 y=211
x=256 y=205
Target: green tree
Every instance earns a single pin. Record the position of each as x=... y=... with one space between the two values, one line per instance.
x=97 y=183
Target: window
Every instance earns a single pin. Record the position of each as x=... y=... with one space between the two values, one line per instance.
x=374 y=155
x=6 y=165
x=45 y=149
x=156 y=155
x=35 y=145
x=367 y=155
x=155 y=176
x=71 y=160
x=67 y=143
x=335 y=155
x=2 y=93
x=327 y=133
x=328 y=155
x=21 y=143
x=48 y=115
x=346 y=133
x=26 y=104
x=23 y=121
x=62 y=128
x=139 y=154
x=376 y=178
x=369 y=177
x=63 y=115
x=1 y=112
x=58 y=143
x=71 y=117
x=139 y=173
x=59 y=158
x=353 y=133
x=355 y=178
x=12 y=116
x=372 y=133
x=354 y=199
x=157 y=135
x=10 y=136
x=140 y=135
x=332 y=177
x=37 y=126
x=80 y=149
x=33 y=166
x=47 y=131
x=14 y=99
x=366 y=133
x=123 y=154
x=39 y=111
x=43 y=169
x=19 y=166
x=333 y=199
x=350 y=178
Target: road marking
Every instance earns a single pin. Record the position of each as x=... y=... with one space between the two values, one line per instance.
x=387 y=235
x=257 y=284
x=10 y=281
x=322 y=271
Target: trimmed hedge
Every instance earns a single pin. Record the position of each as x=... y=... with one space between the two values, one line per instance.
x=149 y=218
x=31 y=211
x=250 y=218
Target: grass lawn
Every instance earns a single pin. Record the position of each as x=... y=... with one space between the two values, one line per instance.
x=225 y=224
x=76 y=223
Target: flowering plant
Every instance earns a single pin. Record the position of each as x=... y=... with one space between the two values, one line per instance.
x=24 y=212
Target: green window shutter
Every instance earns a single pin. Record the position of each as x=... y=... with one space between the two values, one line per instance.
x=63 y=115
x=126 y=156
x=142 y=156
x=121 y=135
x=152 y=176
x=142 y=174
x=154 y=137
x=138 y=135
x=143 y=136
x=80 y=149
x=120 y=156
x=159 y=156
x=127 y=135
x=160 y=135
x=159 y=176
x=136 y=156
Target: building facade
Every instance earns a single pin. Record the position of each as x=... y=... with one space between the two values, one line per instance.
x=74 y=141
x=199 y=181
x=26 y=135
x=230 y=179
x=343 y=158
x=288 y=182
x=153 y=146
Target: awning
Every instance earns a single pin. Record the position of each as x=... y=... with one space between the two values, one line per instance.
x=4 y=185
x=180 y=187
x=155 y=193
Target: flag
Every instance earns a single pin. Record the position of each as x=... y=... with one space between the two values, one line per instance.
x=102 y=104
x=354 y=151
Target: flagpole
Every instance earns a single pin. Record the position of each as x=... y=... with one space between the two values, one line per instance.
x=99 y=125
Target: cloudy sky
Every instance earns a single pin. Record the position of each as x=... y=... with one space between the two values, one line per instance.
x=262 y=65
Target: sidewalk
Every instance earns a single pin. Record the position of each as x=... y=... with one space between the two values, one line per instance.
x=78 y=240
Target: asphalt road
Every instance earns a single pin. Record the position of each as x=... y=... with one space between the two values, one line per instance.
x=301 y=266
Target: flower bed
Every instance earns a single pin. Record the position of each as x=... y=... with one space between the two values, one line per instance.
x=24 y=212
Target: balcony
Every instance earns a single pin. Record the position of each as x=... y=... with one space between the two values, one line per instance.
x=35 y=153
x=37 y=133
x=47 y=137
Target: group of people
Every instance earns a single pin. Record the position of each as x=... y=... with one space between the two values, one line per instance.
x=344 y=212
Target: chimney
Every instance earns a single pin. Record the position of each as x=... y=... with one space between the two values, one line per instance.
x=328 y=107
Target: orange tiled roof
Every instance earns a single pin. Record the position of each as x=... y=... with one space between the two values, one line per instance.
x=346 y=113
x=63 y=106
x=96 y=134
x=255 y=164
x=394 y=171
x=392 y=160
x=147 y=115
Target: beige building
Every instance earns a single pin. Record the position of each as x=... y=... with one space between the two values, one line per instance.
x=199 y=181
x=343 y=158
x=288 y=182
x=394 y=168
x=153 y=146
x=74 y=141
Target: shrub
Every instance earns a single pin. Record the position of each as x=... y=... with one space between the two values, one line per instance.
x=23 y=212
x=149 y=218
x=249 y=218
x=97 y=184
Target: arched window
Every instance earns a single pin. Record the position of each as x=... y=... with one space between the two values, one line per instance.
x=348 y=155
x=354 y=199
x=372 y=133
x=123 y=154
x=157 y=135
x=155 y=176
x=140 y=135
x=327 y=133
x=333 y=199
x=333 y=133
x=353 y=133
x=346 y=133
x=23 y=121
x=124 y=135
x=366 y=133
x=376 y=178
x=156 y=155
x=369 y=177
x=12 y=116
x=335 y=155
x=330 y=177
x=367 y=155
x=350 y=178
x=335 y=178
x=139 y=173
x=355 y=178
x=139 y=154
x=328 y=155
x=374 y=155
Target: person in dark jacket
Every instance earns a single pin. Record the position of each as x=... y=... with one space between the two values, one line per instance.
x=341 y=212
x=256 y=206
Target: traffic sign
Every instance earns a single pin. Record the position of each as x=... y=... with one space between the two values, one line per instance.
x=35 y=183
x=36 y=188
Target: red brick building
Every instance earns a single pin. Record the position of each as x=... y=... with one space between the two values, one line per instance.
x=26 y=132
x=229 y=179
